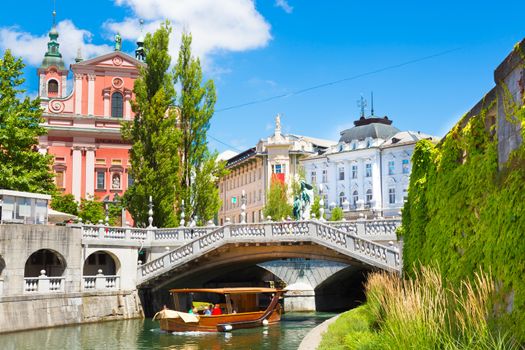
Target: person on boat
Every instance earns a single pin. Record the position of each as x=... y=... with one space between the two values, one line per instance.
x=217 y=310
x=207 y=311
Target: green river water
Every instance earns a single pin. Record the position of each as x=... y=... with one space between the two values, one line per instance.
x=145 y=334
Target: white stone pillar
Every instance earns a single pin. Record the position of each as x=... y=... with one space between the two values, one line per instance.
x=90 y=171
x=76 y=189
x=78 y=93
x=106 y=103
x=43 y=86
x=91 y=94
x=64 y=85
x=127 y=105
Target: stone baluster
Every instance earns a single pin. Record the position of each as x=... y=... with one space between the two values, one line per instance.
x=243 y=207
x=100 y=282
x=43 y=282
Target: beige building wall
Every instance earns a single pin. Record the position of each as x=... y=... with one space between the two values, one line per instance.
x=247 y=175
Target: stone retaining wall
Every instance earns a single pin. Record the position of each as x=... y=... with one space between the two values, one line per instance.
x=51 y=310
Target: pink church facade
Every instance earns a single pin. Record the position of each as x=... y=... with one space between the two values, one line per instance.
x=90 y=157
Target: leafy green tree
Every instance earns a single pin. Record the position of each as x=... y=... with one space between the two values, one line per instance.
x=115 y=211
x=155 y=136
x=195 y=106
x=207 y=200
x=91 y=210
x=337 y=214
x=277 y=205
x=64 y=203
x=22 y=168
x=315 y=208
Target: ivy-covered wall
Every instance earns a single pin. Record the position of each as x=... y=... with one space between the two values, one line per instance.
x=465 y=213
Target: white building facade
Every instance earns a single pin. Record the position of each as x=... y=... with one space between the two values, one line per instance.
x=367 y=172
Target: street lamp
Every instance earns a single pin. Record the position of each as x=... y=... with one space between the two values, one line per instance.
x=106 y=202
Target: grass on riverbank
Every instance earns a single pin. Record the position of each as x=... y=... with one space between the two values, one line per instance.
x=420 y=313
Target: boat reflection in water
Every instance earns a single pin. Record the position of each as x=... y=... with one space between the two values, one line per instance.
x=239 y=308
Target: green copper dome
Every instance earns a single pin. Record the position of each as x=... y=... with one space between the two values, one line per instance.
x=53 y=57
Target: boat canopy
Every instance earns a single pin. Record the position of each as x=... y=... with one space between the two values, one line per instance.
x=247 y=290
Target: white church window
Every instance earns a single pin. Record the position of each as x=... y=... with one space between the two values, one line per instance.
x=368 y=170
x=325 y=176
x=117 y=105
x=341 y=173
x=52 y=87
x=406 y=165
x=101 y=180
x=313 y=177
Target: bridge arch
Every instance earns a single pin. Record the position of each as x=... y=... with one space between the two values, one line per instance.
x=103 y=260
x=49 y=260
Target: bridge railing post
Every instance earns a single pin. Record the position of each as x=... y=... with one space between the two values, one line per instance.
x=268 y=230
x=100 y=281
x=361 y=227
x=43 y=282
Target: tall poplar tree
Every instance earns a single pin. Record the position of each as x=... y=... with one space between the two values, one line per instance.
x=155 y=136
x=22 y=167
x=200 y=169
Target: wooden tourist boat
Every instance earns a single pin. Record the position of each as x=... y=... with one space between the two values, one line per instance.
x=240 y=308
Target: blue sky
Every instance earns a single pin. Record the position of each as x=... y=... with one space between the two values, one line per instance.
x=258 y=50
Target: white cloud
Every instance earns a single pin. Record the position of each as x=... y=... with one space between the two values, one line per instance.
x=32 y=48
x=216 y=26
x=284 y=5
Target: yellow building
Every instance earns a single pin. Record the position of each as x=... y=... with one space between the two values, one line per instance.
x=251 y=172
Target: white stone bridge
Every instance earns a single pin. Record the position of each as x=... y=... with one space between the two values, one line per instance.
x=348 y=242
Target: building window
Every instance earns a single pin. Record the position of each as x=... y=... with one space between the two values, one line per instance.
x=391 y=167
x=101 y=180
x=368 y=170
x=313 y=177
x=117 y=105
x=392 y=195
x=368 y=196
x=354 y=145
x=115 y=182
x=325 y=176
x=60 y=179
x=368 y=143
x=279 y=168
x=354 y=171
x=341 y=173
x=406 y=165
x=52 y=87
x=342 y=198
x=260 y=195
x=355 y=198
x=260 y=173
x=325 y=199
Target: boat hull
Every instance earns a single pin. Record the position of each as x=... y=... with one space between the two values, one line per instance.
x=217 y=323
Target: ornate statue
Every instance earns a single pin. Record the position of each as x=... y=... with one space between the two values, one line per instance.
x=115 y=184
x=303 y=202
x=118 y=42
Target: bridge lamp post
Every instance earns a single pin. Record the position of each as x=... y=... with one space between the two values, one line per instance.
x=106 y=208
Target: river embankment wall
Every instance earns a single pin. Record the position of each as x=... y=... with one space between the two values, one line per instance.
x=41 y=311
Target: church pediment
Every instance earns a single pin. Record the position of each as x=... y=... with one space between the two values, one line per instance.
x=116 y=59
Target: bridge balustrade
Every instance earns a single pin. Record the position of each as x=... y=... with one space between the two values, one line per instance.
x=388 y=258
x=376 y=229
x=101 y=282
x=44 y=284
